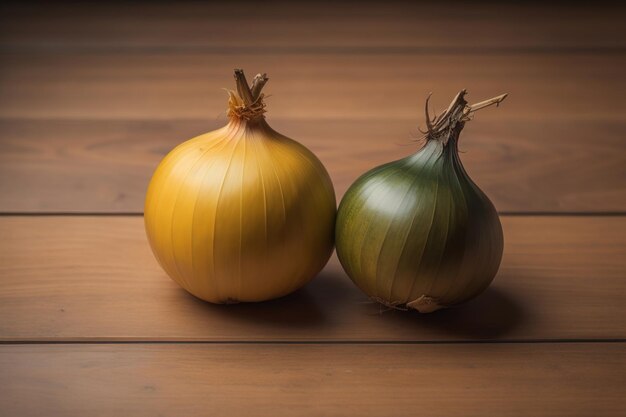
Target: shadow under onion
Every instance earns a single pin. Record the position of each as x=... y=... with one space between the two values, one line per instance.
x=492 y=315
x=298 y=310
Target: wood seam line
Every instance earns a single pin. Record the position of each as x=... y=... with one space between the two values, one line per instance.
x=310 y=342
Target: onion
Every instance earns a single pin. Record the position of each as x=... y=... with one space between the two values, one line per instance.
x=242 y=213
x=417 y=233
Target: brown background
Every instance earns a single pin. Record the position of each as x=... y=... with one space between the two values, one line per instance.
x=92 y=96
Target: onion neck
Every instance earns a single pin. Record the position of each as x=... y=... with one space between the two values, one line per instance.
x=240 y=123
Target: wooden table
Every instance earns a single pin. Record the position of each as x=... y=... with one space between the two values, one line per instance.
x=93 y=96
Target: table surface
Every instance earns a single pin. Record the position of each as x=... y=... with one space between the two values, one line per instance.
x=93 y=96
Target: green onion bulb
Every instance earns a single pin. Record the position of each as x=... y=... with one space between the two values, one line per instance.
x=417 y=233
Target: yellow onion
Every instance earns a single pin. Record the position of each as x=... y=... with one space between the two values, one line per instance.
x=418 y=233
x=242 y=213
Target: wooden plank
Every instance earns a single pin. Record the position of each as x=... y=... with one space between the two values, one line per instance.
x=313 y=380
x=105 y=166
x=166 y=86
x=312 y=25
x=94 y=278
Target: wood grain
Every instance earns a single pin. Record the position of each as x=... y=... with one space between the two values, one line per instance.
x=95 y=279
x=166 y=86
x=388 y=26
x=105 y=166
x=313 y=380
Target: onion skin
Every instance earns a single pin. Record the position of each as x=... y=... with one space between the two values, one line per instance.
x=242 y=213
x=418 y=233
